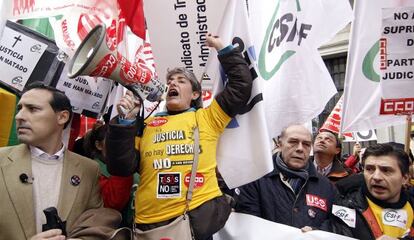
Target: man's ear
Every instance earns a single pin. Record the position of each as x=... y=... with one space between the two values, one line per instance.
x=99 y=145
x=338 y=150
x=406 y=179
x=63 y=117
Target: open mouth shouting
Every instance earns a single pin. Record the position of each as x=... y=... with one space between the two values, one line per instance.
x=172 y=93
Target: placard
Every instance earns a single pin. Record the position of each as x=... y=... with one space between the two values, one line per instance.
x=19 y=55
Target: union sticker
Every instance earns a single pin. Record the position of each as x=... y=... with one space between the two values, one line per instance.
x=316 y=201
x=395 y=217
x=198 y=181
x=169 y=185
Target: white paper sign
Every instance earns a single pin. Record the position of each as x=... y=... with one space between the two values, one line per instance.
x=362 y=94
x=396 y=53
x=361 y=136
x=19 y=55
x=85 y=93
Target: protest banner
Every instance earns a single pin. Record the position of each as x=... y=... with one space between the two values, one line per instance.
x=86 y=99
x=22 y=9
x=131 y=11
x=73 y=19
x=397 y=60
x=178 y=32
x=297 y=84
x=361 y=136
x=27 y=56
x=247 y=132
x=362 y=92
x=242 y=226
x=19 y=55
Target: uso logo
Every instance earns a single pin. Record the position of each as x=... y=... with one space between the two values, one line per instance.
x=158 y=122
x=316 y=201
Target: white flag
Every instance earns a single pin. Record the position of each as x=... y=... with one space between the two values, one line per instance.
x=288 y=34
x=244 y=151
x=362 y=93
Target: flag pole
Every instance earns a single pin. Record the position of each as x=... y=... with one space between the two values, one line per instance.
x=407 y=134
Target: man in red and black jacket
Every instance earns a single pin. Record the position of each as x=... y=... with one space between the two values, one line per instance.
x=380 y=209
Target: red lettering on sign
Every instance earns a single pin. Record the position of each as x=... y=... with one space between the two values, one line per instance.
x=66 y=36
x=316 y=201
x=137 y=73
x=106 y=66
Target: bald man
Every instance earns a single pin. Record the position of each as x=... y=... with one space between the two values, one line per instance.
x=293 y=193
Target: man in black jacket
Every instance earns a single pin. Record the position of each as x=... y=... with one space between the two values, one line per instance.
x=293 y=193
x=380 y=209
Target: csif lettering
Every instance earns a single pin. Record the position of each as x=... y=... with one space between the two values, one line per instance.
x=281 y=30
x=287 y=29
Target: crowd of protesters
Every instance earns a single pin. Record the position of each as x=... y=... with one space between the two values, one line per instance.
x=368 y=196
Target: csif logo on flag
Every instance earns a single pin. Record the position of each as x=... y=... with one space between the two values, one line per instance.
x=283 y=31
x=368 y=67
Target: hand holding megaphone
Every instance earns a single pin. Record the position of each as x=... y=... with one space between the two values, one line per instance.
x=128 y=106
x=94 y=58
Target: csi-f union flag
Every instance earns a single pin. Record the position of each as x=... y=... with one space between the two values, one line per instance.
x=287 y=34
x=244 y=151
x=362 y=93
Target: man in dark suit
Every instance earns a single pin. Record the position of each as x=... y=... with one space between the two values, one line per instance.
x=41 y=172
x=293 y=193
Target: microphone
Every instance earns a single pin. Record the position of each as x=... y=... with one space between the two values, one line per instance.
x=24 y=178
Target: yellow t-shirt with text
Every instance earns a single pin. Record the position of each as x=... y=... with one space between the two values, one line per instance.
x=166 y=151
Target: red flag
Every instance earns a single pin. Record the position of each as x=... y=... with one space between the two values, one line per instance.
x=333 y=122
x=133 y=12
